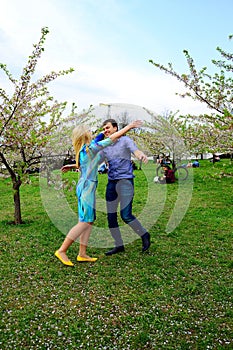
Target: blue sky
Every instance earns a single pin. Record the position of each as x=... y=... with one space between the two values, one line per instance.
x=109 y=44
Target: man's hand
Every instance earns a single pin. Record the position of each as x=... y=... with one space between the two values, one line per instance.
x=141 y=156
x=144 y=158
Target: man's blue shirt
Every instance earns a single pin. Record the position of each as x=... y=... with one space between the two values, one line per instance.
x=118 y=156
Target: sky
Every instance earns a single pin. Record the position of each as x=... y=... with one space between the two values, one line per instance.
x=109 y=44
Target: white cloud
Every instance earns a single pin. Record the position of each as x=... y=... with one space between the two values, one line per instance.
x=153 y=90
x=103 y=72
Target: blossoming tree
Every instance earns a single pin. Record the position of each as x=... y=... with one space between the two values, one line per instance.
x=216 y=91
x=24 y=131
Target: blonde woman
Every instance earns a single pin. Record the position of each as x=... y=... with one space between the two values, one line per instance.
x=87 y=161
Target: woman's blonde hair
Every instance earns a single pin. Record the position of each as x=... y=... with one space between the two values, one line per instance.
x=80 y=136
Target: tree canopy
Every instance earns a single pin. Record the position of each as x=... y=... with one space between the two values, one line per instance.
x=209 y=132
x=27 y=118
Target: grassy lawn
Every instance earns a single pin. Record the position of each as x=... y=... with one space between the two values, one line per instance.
x=177 y=296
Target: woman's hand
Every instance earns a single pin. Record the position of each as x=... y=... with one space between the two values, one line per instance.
x=68 y=167
x=135 y=124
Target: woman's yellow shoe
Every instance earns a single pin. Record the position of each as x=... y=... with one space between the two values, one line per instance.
x=82 y=259
x=67 y=263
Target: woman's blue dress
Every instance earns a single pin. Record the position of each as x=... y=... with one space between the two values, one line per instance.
x=89 y=159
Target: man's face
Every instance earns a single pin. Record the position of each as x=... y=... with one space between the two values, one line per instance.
x=109 y=129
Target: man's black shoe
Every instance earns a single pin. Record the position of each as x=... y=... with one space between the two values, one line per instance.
x=115 y=250
x=145 y=242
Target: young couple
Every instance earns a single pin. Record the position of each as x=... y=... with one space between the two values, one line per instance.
x=116 y=150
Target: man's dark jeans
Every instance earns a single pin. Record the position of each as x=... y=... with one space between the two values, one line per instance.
x=121 y=192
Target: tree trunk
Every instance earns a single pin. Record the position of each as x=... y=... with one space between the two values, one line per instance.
x=16 y=183
x=16 y=186
x=140 y=165
x=213 y=158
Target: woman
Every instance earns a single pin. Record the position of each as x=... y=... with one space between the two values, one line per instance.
x=87 y=161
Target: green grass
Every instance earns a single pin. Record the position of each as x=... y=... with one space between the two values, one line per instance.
x=179 y=296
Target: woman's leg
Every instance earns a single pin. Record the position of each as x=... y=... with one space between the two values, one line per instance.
x=84 y=241
x=74 y=233
x=82 y=255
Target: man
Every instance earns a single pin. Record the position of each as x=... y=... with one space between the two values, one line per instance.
x=120 y=187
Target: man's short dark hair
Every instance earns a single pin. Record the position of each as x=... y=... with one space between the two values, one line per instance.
x=112 y=121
